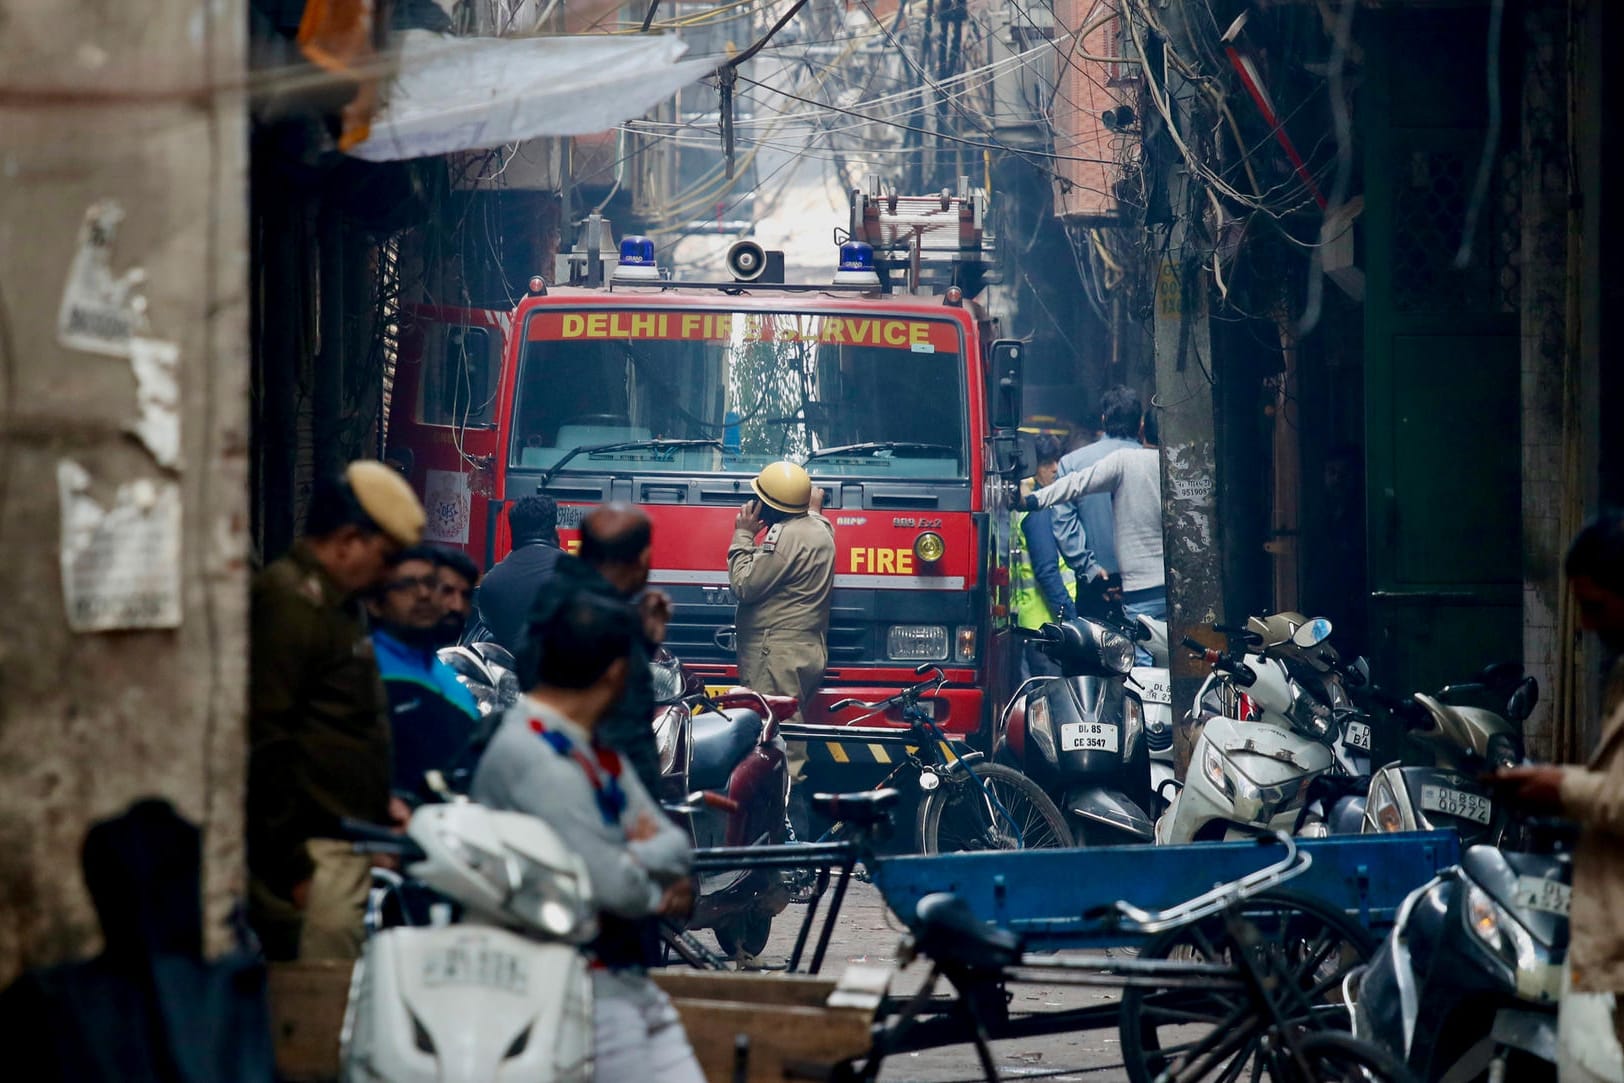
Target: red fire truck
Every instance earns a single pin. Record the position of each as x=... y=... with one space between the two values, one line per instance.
x=886 y=383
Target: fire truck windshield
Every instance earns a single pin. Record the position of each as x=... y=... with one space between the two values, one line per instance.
x=848 y=394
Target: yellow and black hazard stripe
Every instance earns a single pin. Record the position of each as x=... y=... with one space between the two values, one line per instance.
x=858 y=751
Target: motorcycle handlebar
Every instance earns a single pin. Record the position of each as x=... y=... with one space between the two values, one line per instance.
x=371 y=838
x=1229 y=663
x=721 y=802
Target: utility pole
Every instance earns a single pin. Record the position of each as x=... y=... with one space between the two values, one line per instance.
x=123 y=445
x=1185 y=408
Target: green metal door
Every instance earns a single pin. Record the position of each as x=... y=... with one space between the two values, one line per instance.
x=1443 y=444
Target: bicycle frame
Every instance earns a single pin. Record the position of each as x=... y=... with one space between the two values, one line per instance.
x=927 y=735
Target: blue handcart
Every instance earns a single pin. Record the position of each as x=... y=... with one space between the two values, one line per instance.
x=1242 y=949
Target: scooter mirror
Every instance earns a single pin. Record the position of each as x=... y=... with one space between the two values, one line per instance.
x=1312 y=633
x=1523 y=700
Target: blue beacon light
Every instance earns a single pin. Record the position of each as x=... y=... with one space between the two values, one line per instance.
x=636 y=261
x=857 y=265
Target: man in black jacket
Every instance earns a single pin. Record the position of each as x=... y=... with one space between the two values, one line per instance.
x=505 y=594
x=617 y=545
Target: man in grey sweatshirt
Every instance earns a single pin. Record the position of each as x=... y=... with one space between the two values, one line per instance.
x=1133 y=477
x=544 y=761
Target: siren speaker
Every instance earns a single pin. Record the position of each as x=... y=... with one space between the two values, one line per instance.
x=746 y=260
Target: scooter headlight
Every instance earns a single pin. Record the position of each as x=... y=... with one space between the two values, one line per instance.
x=1216 y=768
x=1310 y=717
x=1507 y=941
x=667 y=737
x=666 y=679
x=1116 y=650
x=1383 y=809
x=1133 y=724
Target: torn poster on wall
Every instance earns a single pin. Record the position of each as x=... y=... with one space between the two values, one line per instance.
x=157 y=396
x=100 y=311
x=120 y=564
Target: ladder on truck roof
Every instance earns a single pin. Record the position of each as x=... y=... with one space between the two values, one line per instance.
x=924 y=242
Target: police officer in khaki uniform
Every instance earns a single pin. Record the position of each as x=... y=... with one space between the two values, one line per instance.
x=783 y=584
x=318 y=715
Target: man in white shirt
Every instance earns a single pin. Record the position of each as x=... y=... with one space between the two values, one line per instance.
x=1133 y=477
x=544 y=761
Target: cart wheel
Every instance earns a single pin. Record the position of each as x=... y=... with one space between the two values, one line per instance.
x=749 y=933
x=1311 y=941
x=955 y=816
x=1341 y=1058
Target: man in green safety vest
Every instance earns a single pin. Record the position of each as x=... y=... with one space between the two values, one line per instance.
x=1042 y=584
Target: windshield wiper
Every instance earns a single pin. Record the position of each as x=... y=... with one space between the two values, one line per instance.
x=624 y=445
x=874 y=446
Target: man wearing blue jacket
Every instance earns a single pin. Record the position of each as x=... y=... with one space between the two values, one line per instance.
x=431 y=715
x=1041 y=584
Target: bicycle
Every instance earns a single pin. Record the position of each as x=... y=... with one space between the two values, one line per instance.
x=966 y=802
x=1239 y=982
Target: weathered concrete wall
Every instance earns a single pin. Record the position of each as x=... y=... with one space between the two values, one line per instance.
x=141 y=105
x=1549 y=431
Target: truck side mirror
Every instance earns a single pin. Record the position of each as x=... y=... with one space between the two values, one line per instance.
x=1005 y=384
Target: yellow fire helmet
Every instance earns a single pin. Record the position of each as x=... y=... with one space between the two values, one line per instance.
x=784 y=486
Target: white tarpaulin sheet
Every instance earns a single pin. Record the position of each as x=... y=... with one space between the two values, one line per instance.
x=470 y=93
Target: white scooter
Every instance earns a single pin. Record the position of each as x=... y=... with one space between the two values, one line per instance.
x=502 y=994
x=1272 y=723
x=1155 y=688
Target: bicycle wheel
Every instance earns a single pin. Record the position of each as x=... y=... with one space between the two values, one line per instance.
x=1342 y=1058
x=957 y=816
x=1312 y=944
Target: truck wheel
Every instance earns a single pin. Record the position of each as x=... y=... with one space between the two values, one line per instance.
x=956 y=816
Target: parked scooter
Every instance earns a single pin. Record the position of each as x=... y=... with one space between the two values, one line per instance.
x=1271 y=722
x=489 y=673
x=502 y=993
x=1154 y=684
x=727 y=746
x=1466 y=985
x=1464 y=742
x=1082 y=736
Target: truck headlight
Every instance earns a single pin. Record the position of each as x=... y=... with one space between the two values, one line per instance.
x=916 y=643
x=1499 y=932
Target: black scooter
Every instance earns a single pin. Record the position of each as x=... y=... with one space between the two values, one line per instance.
x=1081 y=736
x=1466 y=985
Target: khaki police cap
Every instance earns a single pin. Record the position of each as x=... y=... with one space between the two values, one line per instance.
x=386 y=497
